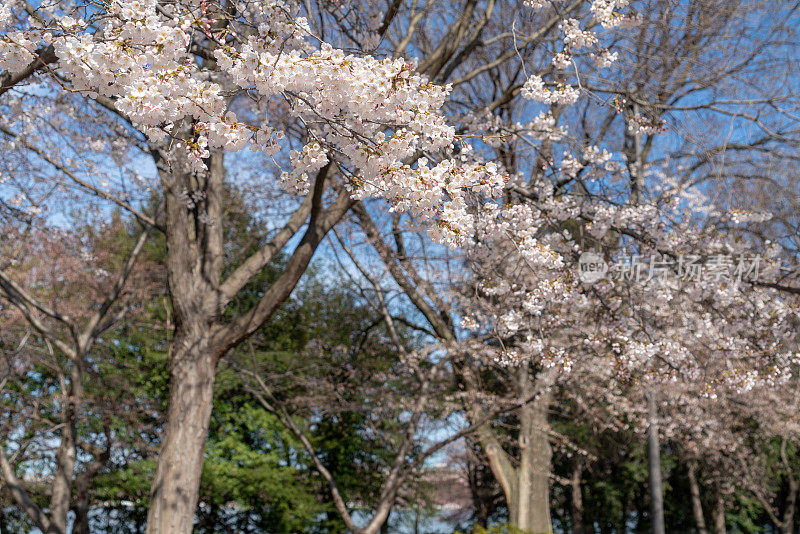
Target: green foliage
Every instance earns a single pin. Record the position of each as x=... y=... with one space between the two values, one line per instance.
x=746 y=514
x=250 y=461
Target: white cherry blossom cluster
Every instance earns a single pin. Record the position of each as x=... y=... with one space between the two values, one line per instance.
x=604 y=58
x=373 y=115
x=349 y=101
x=596 y=161
x=563 y=93
x=608 y=14
x=574 y=37
x=641 y=124
x=17 y=49
x=6 y=14
x=743 y=217
x=537 y=4
x=543 y=127
x=308 y=160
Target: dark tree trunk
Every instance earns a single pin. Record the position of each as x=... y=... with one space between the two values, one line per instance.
x=194 y=263
x=195 y=255
x=385 y=526
x=623 y=526
x=787 y=523
x=81 y=509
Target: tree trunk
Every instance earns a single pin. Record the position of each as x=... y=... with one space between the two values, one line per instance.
x=577 y=497
x=482 y=515
x=194 y=261
x=527 y=487
x=654 y=467
x=81 y=525
x=531 y=511
x=697 y=503
x=62 y=483
x=623 y=526
x=787 y=524
x=719 y=515
x=61 y=496
x=385 y=526
x=480 y=492
x=81 y=508
x=174 y=492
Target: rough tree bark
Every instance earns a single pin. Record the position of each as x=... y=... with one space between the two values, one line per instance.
x=81 y=525
x=177 y=477
x=530 y=511
x=193 y=263
x=526 y=487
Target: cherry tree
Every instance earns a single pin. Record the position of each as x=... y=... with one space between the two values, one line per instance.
x=526 y=264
